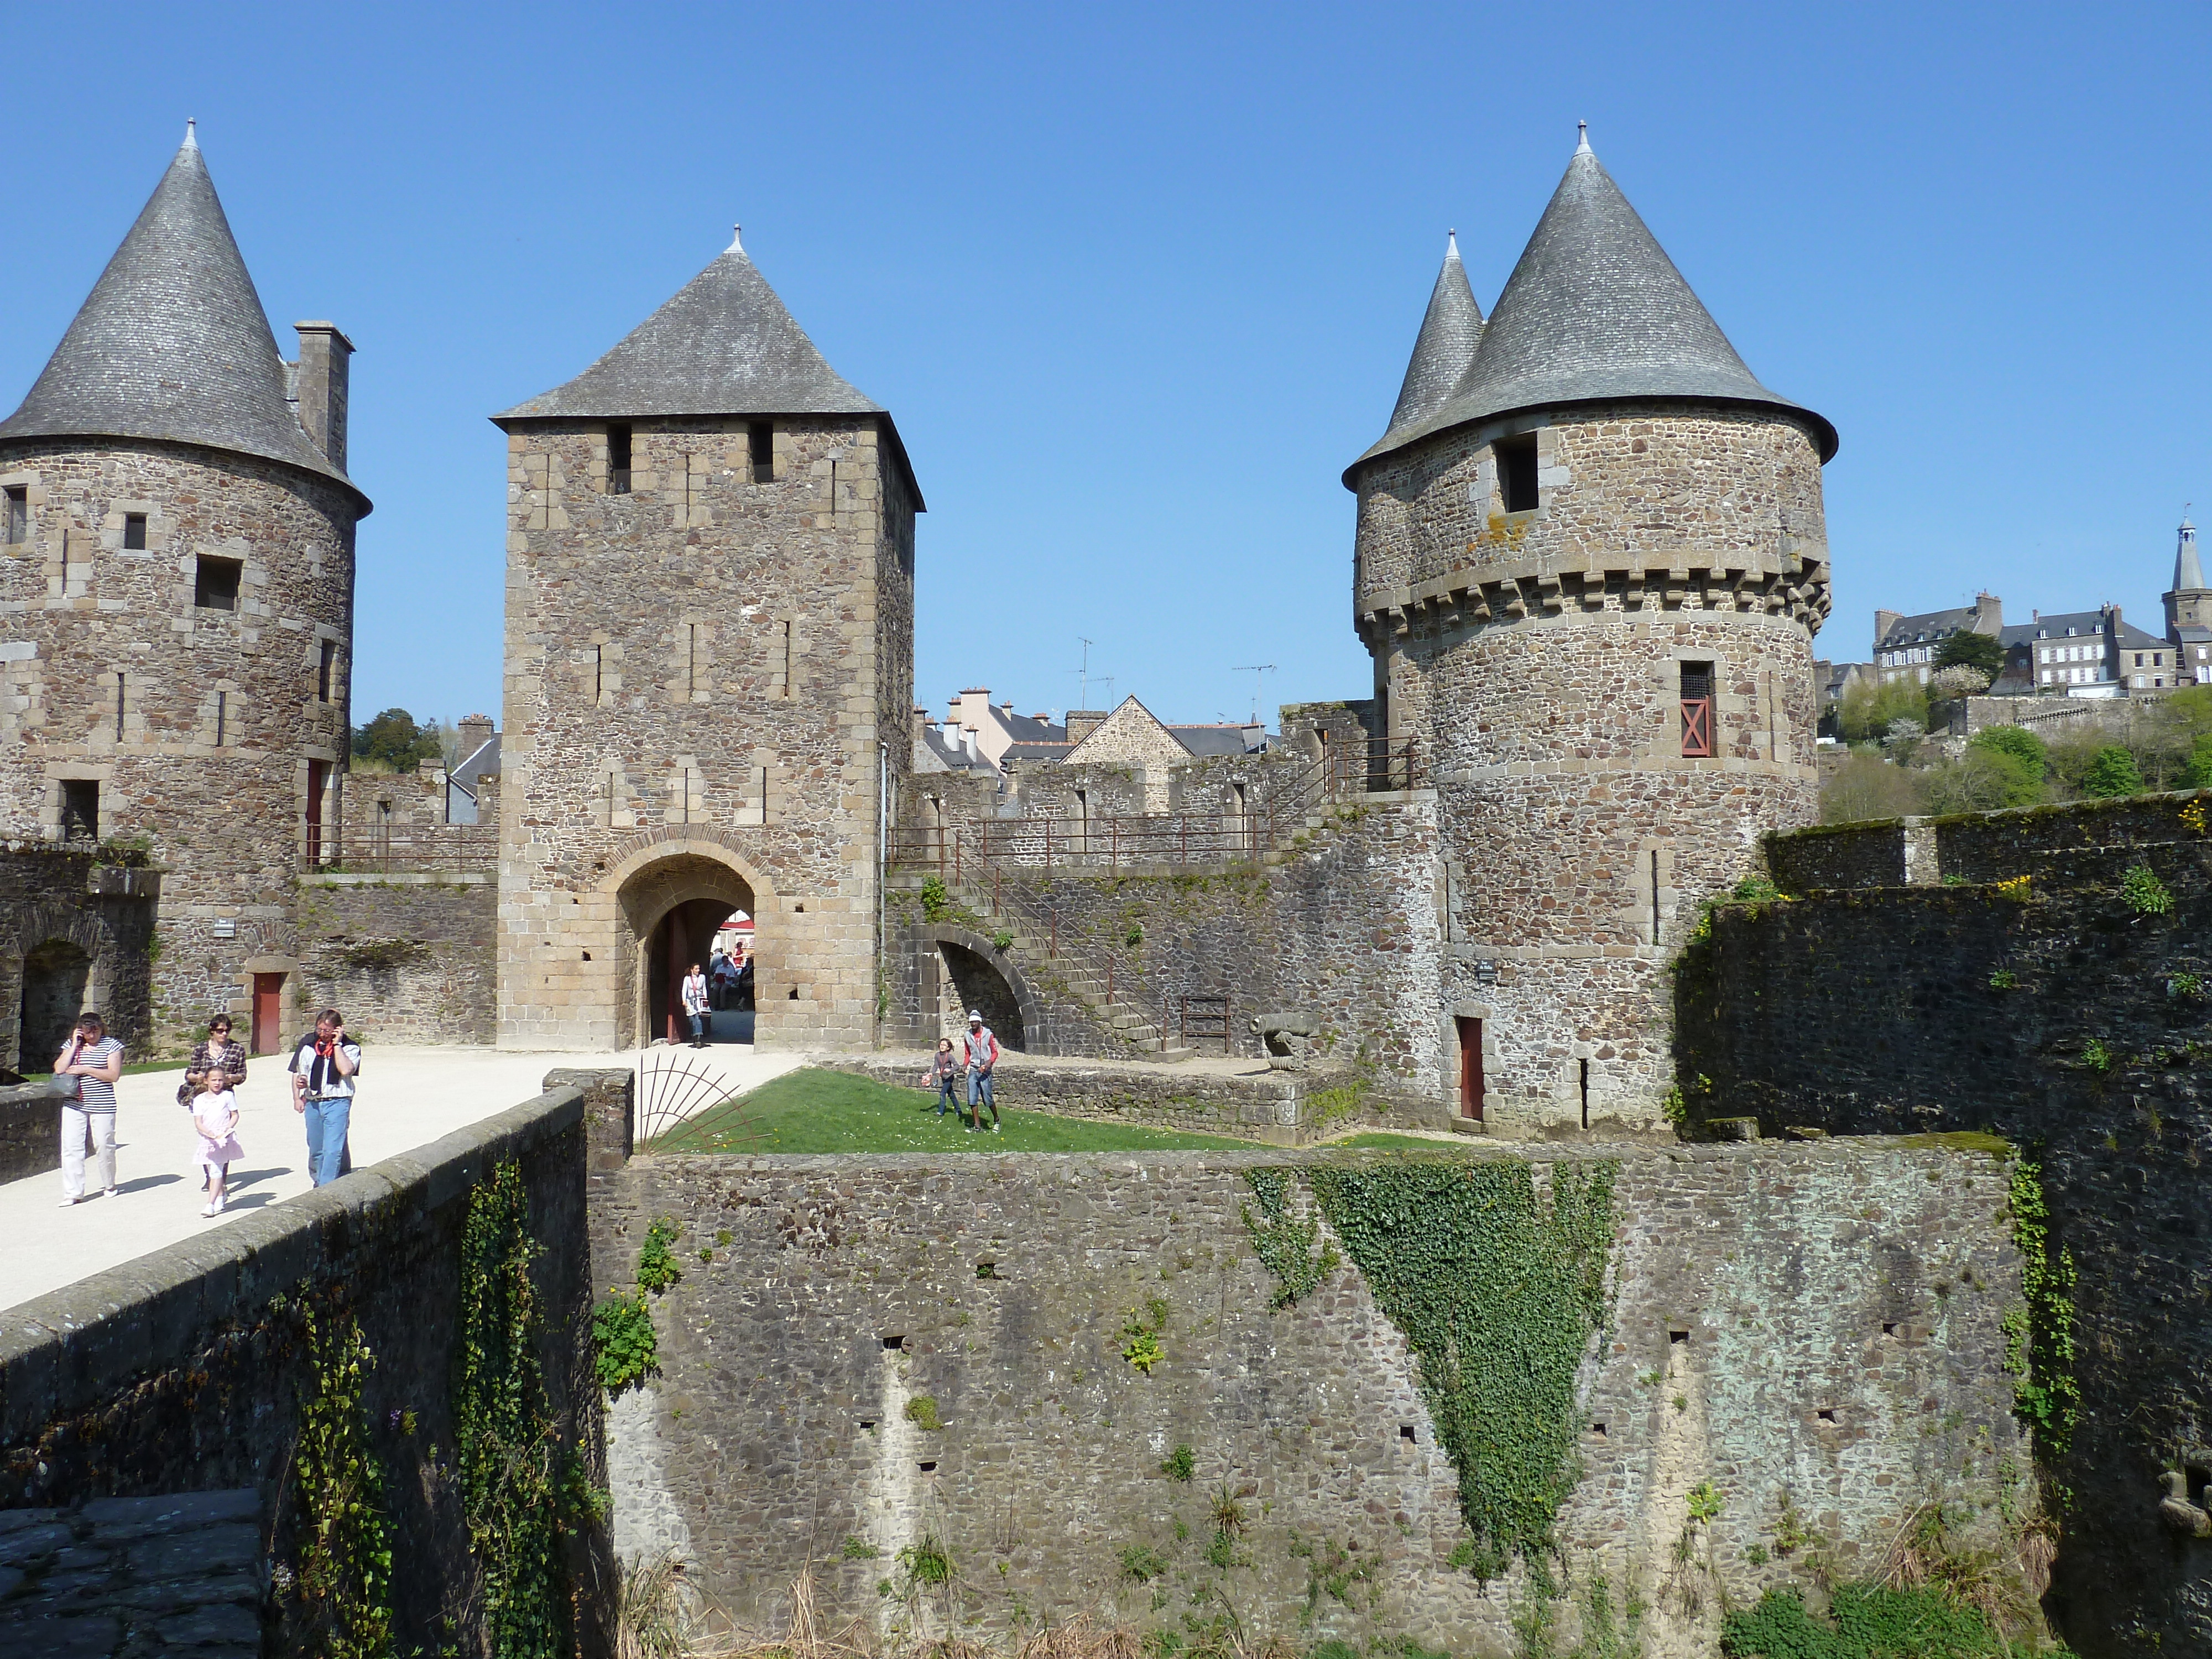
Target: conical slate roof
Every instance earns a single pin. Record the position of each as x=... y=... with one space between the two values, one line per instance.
x=2188 y=569
x=1596 y=311
x=1451 y=328
x=172 y=343
x=724 y=345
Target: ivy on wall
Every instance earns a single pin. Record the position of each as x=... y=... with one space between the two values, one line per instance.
x=2039 y=1347
x=1284 y=1243
x=1500 y=1291
x=344 y=1576
x=508 y=1453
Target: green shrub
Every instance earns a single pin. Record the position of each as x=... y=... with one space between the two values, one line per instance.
x=1863 y=1622
x=656 y=1262
x=2144 y=893
x=1179 y=1464
x=2016 y=741
x=935 y=904
x=1143 y=1564
x=624 y=1349
x=921 y=1411
x=2111 y=774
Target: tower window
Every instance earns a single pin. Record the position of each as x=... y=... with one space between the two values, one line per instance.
x=1516 y=471
x=16 y=526
x=325 y=669
x=760 y=439
x=134 y=532
x=80 y=809
x=1697 y=709
x=618 y=458
x=215 y=584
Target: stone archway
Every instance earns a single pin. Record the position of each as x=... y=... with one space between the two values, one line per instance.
x=669 y=896
x=56 y=981
x=973 y=974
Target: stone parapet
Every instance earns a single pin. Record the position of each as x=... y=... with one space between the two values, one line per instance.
x=30 y=1130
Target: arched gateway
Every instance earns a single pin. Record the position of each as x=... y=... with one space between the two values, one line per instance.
x=670 y=908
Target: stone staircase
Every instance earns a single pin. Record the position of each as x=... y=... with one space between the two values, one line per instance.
x=1098 y=1001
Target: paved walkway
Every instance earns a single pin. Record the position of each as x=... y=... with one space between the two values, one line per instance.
x=409 y=1097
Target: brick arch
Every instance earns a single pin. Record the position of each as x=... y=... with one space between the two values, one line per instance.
x=662 y=871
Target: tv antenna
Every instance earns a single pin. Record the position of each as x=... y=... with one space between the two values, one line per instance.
x=1259 y=671
x=1083 y=675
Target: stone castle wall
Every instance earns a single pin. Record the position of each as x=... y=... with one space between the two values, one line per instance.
x=2064 y=1019
x=184 y=1370
x=1535 y=658
x=1813 y=1324
x=412 y=959
x=220 y=711
x=695 y=689
x=74 y=936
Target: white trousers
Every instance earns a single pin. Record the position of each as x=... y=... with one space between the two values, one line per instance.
x=76 y=1125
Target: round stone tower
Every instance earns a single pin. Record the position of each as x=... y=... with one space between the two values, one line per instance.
x=176 y=559
x=1591 y=559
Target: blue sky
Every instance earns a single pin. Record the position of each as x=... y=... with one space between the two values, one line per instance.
x=1137 y=282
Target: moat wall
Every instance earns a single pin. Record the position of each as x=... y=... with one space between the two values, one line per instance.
x=185 y=1371
x=2062 y=1019
x=1816 y=1322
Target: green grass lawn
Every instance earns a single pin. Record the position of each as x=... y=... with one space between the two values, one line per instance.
x=821 y=1111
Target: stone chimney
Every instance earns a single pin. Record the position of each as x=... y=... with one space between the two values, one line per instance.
x=1082 y=722
x=974 y=708
x=1989 y=615
x=320 y=382
x=1884 y=621
x=476 y=732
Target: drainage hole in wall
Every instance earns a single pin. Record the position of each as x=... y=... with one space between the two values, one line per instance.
x=868 y=1426
x=1406 y=1433
x=794 y=994
x=1678 y=1336
x=799 y=908
x=587 y=956
x=1889 y=1327
x=927 y=1468
x=1597 y=1431
x=895 y=1342
x=1827 y=1414
x=987 y=1270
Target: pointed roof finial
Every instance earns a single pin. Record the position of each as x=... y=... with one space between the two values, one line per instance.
x=1582 y=138
x=190 y=142
x=1451 y=245
x=737 y=239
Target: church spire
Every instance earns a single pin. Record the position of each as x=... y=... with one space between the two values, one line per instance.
x=2188 y=570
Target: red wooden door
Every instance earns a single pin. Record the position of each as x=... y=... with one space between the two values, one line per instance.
x=268 y=1012
x=1470 y=1068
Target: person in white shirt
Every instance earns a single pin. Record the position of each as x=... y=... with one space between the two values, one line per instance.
x=324 y=1066
x=694 y=1005
x=88 y=1068
x=979 y=1050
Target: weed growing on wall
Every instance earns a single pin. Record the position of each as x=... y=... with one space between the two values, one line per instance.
x=2039 y=1346
x=1179 y=1464
x=344 y=1575
x=625 y=1348
x=921 y=1411
x=1140 y=1335
x=2143 y=892
x=1499 y=1294
x=506 y=1454
x=1863 y=1622
x=656 y=1262
x=1284 y=1244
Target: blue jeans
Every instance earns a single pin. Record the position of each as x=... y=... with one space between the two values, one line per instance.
x=698 y=1027
x=948 y=1098
x=979 y=1088
x=326 y=1136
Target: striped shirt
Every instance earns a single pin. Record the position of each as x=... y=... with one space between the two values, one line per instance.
x=95 y=1094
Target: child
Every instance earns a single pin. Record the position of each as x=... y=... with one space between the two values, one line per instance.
x=944 y=1072
x=215 y=1115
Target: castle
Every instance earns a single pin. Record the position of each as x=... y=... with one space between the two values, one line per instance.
x=1590 y=558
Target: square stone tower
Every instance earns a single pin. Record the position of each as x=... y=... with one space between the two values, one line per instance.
x=710 y=659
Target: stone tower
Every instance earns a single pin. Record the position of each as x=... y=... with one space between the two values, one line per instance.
x=177 y=539
x=2188 y=612
x=1589 y=568
x=709 y=662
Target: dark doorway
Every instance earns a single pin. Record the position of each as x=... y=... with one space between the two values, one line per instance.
x=978 y=985
x=1470 y=1068
x=268 y=1013
x=317 y=771
x=55 y=976
x=683 y=936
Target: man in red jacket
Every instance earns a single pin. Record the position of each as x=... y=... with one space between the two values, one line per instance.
x=979 y=1050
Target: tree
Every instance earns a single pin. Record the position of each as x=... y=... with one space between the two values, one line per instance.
x=2017 y=741
x=2199 y=773
x=1866 y=711
x=2112 y=773
x=394 y=739
x=1981 y=780
x=1969 y=650
x=1866 y=786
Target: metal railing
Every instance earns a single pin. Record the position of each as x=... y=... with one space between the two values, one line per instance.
x=1204 y=1018
x=473 y=849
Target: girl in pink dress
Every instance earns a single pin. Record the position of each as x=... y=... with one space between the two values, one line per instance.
x=215 y=1115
